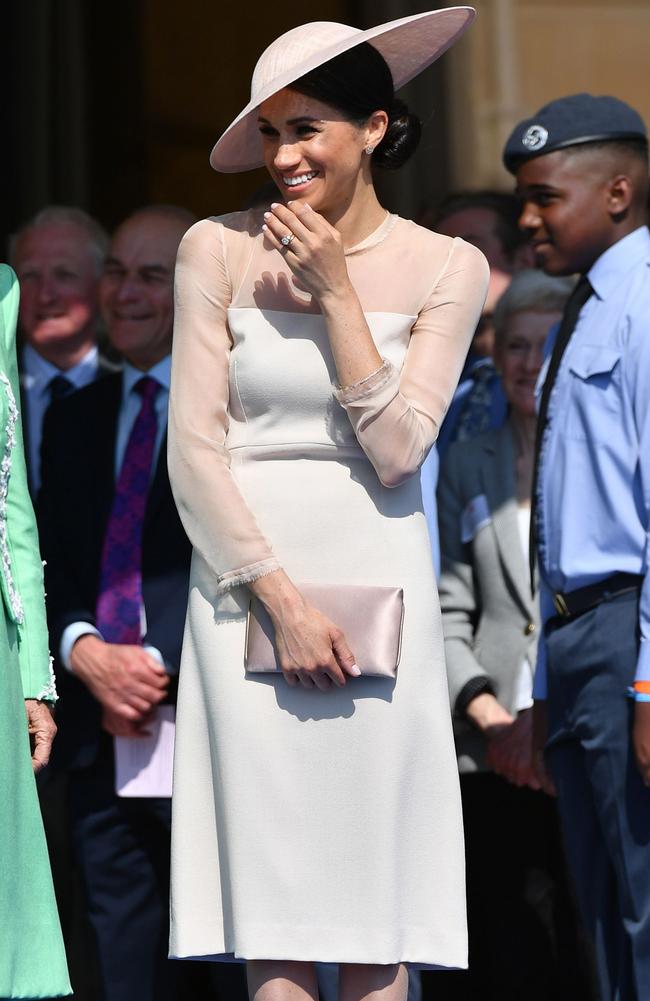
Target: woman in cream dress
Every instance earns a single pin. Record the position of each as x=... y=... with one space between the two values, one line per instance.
x=316 y=812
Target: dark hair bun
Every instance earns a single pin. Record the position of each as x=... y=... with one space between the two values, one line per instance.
x=401 y=139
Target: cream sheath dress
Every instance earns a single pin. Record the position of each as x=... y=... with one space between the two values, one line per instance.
x=312 y=825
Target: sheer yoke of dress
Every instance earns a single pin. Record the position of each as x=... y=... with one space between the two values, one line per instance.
x=252 y=366
x=313 y=825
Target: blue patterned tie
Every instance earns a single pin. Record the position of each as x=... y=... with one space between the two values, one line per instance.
x=476 y=414
x=119 y=605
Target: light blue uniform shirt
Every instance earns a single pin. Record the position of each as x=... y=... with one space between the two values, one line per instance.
x=594 y=475
x=129 y=409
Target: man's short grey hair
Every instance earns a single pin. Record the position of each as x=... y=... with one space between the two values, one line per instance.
x=68 y=215
x=531 y=291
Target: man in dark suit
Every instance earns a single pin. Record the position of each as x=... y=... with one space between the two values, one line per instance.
x=58 y=256
x=117 y=578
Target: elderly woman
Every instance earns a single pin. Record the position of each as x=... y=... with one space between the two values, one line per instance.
x=522 y=938
x=32 y=960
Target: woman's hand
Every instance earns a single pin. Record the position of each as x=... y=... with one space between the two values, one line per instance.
x=315 y=253
x=312 y=650
x=42 y=730
x=488 y=715
x=510 y=739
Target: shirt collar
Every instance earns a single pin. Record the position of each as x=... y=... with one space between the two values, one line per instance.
x=161 y=372
x=38 y=372
x=605 y=275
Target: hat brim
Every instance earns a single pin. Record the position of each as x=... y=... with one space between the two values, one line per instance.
x=408 y=45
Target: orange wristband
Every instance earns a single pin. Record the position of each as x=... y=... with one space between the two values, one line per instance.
x=642 y=686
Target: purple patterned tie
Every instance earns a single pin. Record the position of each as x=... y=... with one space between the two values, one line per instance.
x=119 y=604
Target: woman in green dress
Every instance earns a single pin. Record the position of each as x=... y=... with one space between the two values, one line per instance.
x=32 y=957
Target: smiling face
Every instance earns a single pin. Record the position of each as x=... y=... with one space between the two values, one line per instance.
x=58 y=275
x=136 y=290
x=519 y=355
x=313 y=152
x=567 y=210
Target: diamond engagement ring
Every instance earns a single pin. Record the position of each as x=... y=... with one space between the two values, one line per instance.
x=286 y=240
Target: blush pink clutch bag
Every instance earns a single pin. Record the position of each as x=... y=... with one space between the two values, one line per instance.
x=370 y=617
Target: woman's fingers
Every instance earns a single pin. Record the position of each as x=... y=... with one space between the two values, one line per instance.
x=42 y=730
x=322 y=681
x=296 y=220
x=316 y=655
x=344 y=655
x=290 y=219
x=276 y=240
x=311 y=220
x=288 y=228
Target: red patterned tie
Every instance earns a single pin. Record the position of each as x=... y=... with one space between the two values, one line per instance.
x=119 y=605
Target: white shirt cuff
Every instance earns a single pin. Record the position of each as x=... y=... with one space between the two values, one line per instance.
x=71 y=634
x=76 y=630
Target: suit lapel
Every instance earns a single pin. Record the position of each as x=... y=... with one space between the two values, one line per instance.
x=498 y=475
x=102 y=450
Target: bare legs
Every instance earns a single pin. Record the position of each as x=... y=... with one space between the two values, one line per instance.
x=373 y=983
x=272 y=980
x=275 y=980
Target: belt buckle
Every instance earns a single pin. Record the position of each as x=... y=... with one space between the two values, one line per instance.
x=561 y=606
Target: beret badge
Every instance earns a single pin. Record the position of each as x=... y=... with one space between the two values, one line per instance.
x=535 y=137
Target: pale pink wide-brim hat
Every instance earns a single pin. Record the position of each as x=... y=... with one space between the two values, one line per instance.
x=408 y=45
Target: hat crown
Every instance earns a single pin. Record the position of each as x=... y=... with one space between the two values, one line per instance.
x=573 y=120
x=294 y=47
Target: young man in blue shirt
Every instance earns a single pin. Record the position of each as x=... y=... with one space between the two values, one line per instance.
x=581 y=167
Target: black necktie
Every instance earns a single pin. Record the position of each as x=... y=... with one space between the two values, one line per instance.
x=59 y=387
x=576 y=301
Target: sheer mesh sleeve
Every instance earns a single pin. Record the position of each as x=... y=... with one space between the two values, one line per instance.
x=219 y=525
x=396 y=416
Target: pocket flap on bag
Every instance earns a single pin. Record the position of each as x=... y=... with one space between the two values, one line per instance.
x=592 y=359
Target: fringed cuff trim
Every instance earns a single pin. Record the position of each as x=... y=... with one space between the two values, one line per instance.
x=246 y=575
x=49 y=693
x=366 y=387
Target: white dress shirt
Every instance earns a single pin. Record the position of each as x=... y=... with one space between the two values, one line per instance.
x=130 y=405
x=35 y=379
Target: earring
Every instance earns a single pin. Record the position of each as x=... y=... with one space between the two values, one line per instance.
x=370 y=150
